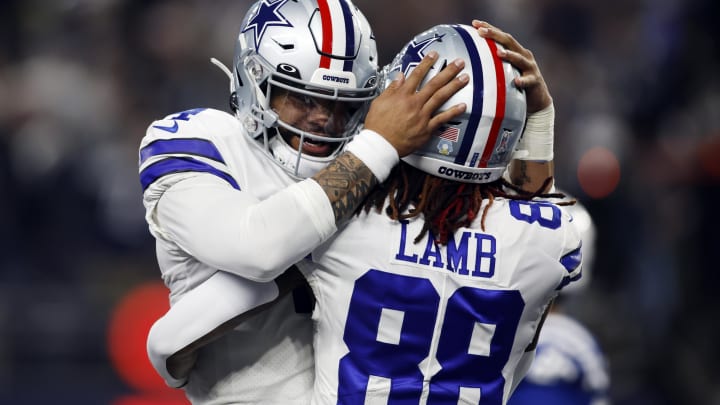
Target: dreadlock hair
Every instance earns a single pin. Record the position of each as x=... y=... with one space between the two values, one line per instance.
x=446 y=205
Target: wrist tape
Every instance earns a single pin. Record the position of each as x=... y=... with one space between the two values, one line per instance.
x=375 y=151
x=538 y=137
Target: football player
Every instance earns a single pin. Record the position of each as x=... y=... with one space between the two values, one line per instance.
x=253 y=192
x=265 y=360
x=570 y=367
x=435 y=292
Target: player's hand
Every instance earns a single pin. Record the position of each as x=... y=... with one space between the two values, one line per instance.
x=406 y=116
x=536 y=91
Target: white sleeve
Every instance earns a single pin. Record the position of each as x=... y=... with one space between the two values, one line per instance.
x=235 y=232
x=200 y=311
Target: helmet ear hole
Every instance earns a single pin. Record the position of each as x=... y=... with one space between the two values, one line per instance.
x=234 y=102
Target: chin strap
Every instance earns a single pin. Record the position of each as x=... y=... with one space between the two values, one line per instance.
x=299 y=165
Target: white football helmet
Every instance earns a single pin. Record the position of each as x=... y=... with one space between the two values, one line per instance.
x=478 y=145
x=315 y=49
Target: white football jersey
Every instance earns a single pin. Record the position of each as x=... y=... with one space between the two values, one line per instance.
x=198 y=154
x=420 y=323
x=569 y=367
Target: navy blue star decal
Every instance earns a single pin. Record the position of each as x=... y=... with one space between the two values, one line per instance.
x=268 y=14
x=415 y=52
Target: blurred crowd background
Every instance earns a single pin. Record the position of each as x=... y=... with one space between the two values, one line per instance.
x=636 y=88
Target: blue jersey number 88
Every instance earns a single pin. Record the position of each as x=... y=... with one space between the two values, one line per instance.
x=400 y=361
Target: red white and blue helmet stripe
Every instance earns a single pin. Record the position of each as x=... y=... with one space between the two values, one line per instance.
x=478 y=145
x=486 y=68
x=338 y=35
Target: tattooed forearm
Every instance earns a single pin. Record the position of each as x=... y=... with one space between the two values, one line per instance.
x=531 y=175
x=346 y=181
x=519 y=176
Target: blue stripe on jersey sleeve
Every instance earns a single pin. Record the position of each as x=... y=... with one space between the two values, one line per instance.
x=199 y=147
x=179 y=165
x=572 y=260
x=567 y=280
